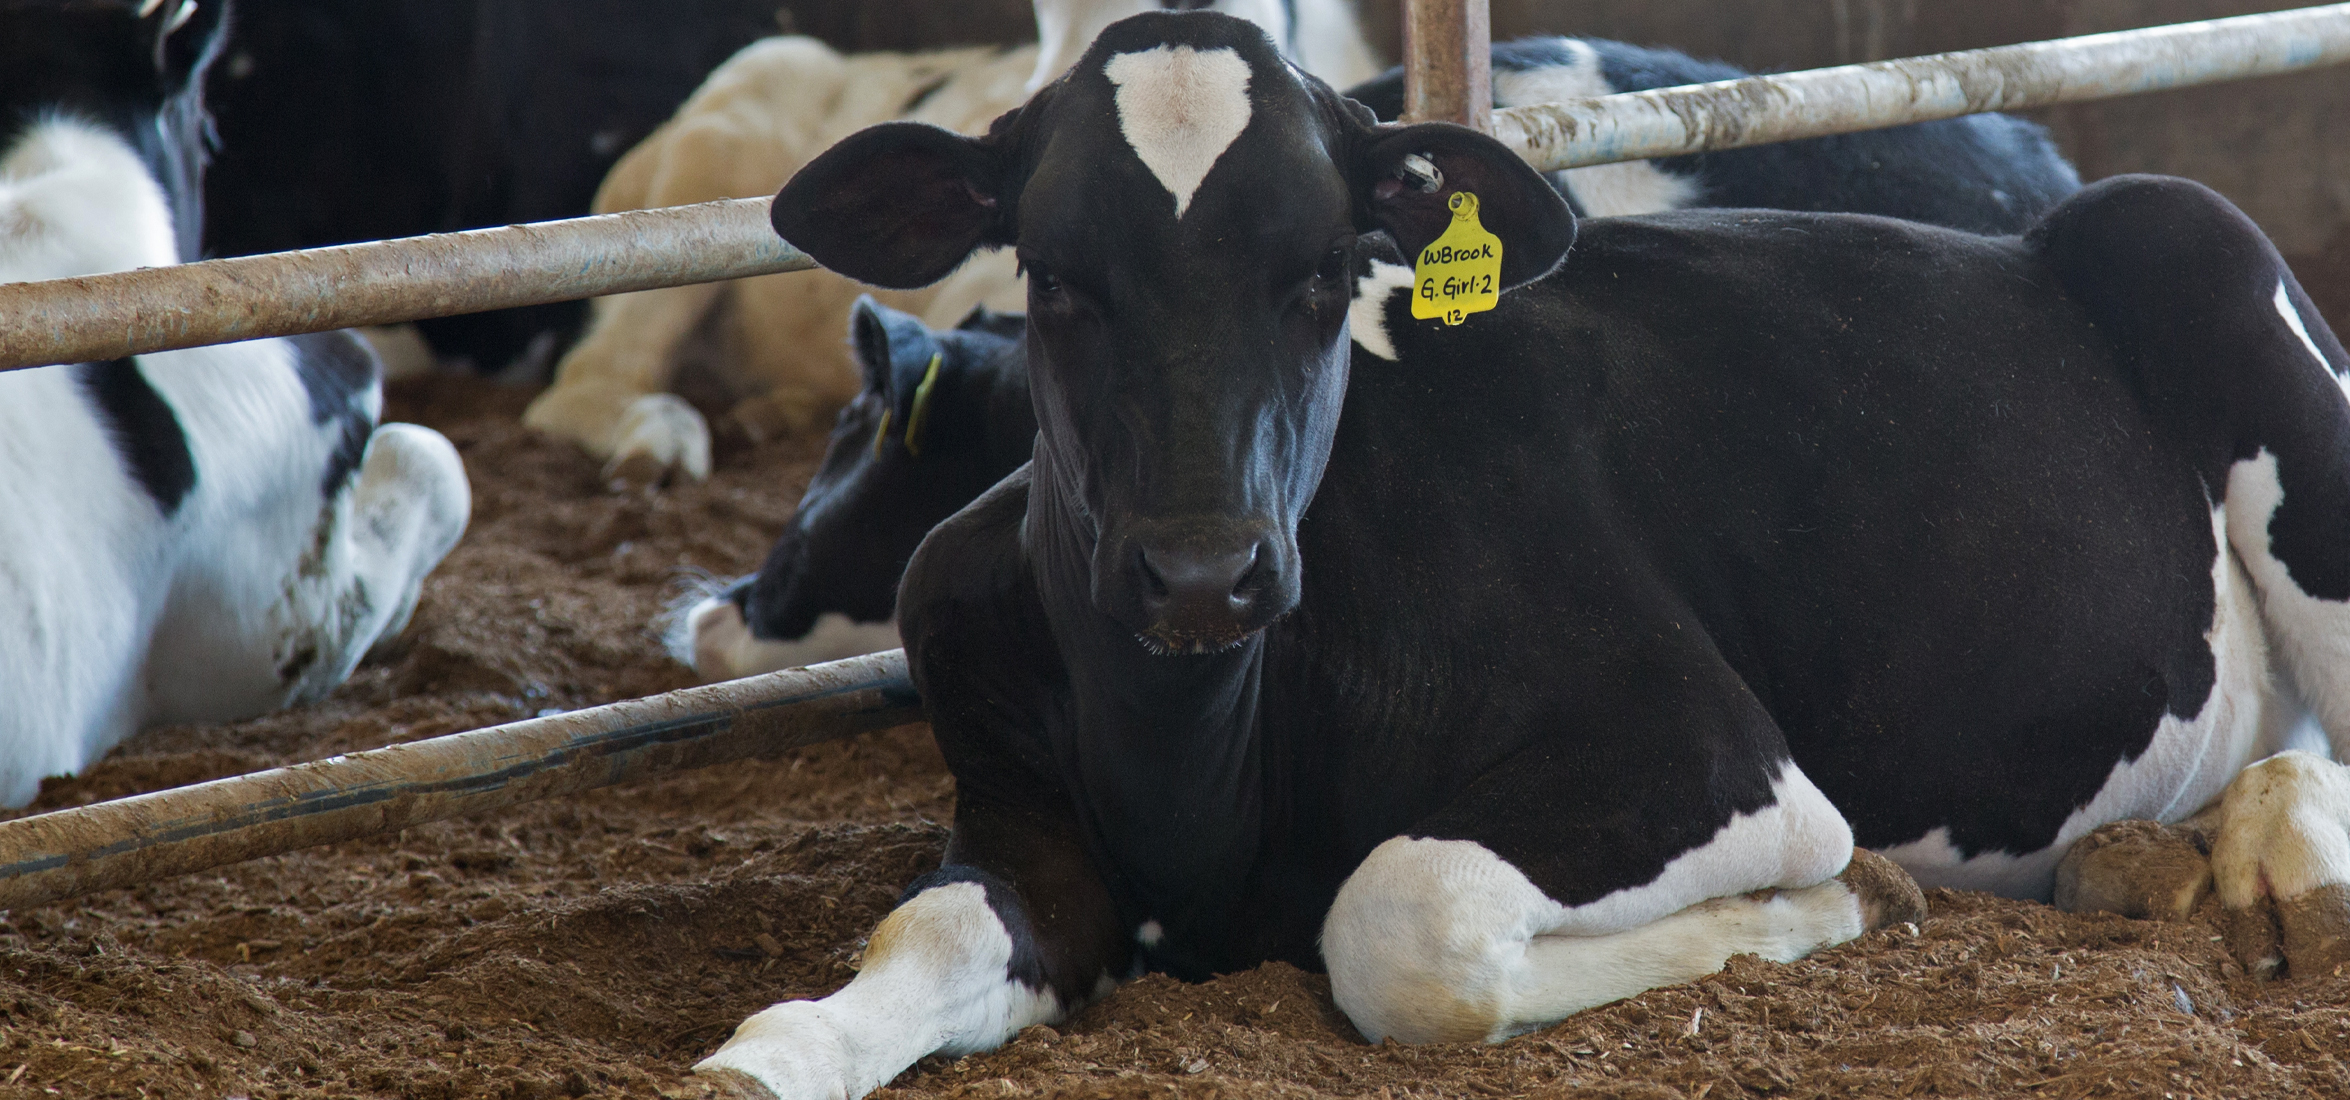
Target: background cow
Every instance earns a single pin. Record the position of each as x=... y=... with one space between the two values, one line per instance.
x=751 y=125
x=187 y=536
x=1576 y=655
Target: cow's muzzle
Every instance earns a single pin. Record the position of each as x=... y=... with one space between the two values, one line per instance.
x=1202 y=587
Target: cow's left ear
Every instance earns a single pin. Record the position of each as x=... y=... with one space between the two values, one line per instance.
x=897 y=205
x=1404 y=177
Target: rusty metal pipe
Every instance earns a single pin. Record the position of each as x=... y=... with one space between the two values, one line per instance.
x=99 y=317
x=1448 y=62
x=151 y=836
x=1759 y=110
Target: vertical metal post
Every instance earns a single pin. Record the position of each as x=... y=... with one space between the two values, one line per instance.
x=1448 y=62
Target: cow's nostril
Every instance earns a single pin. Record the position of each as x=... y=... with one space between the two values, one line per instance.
x=1248 y=573
x=1150 y=575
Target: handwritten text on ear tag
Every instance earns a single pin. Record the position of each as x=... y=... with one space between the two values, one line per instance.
x=1459 y=273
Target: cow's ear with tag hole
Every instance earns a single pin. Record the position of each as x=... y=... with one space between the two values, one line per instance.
x=1404 y=177
x=899 y=205
x=897 y=353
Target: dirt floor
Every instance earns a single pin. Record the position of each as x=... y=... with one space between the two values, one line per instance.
x=600 y=945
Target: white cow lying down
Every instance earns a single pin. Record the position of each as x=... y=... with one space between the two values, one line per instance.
x=753 y=123
x=195 y=535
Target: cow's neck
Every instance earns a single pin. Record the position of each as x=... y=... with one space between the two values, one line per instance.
x=1165 y=748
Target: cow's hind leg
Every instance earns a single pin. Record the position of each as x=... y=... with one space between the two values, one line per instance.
x=2244 y=373
x=1443 y=941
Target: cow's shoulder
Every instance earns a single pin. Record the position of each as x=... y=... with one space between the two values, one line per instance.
x=976 y=639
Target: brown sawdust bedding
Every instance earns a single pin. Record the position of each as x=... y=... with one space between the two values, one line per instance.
x=598 y=946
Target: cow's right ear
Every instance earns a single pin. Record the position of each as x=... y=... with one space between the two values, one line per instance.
x=897 y=205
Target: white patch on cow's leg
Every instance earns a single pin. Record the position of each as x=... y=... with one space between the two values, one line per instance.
x=720 y=646
x=1607 y=190
x=1366 y=316
x=657 y=433
x=1180 y=108
x=409 y=507
x=2188 y=762
x=2311 y=635
x=2285 y=309
x=934 y=980
x=1441 y=940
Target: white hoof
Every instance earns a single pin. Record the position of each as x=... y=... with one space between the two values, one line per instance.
x=659 y=434
x=793 y=1050
x=722 y=647
x=2281 y=864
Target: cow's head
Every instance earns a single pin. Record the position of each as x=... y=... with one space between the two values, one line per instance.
x=1189 y=208
x=135 y=67
x=923 y=439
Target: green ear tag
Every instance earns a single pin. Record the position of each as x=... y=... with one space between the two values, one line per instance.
x=1459 y=273
x=921 y=411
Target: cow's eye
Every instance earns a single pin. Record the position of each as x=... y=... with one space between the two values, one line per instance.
x=1043 y=282
x=1333 y=267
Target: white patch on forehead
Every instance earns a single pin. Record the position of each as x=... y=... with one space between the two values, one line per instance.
x=1180 y=108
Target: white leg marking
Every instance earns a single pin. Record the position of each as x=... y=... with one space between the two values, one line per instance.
x=1180 y=108
x=1366 y=316
x=934 y=981
x=2284 y=830
x=2186 y=765
x=1441 y=940
x=1607 y=190
x=720 y=646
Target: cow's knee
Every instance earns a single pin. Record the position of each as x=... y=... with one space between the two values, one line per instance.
x=1423 y=937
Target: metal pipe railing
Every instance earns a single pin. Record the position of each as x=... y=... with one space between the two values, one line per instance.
x=1758 y=110
x=108 y=316
x=175 y=832
x=100 y=317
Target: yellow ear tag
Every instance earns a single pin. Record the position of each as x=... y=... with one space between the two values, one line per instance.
x=921 y=412
x=881 y=433
x=1459 y=273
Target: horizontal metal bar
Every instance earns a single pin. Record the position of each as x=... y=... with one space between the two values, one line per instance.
x=107 y=316
x=99 y=317
x=151 y=836
x=1758 y=110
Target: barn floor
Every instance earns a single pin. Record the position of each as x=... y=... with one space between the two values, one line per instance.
x=599 y=946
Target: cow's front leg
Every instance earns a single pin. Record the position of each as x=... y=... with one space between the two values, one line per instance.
x=1444 y=940
x=1014 y=930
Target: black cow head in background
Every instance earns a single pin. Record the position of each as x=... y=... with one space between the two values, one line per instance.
x=134 y=67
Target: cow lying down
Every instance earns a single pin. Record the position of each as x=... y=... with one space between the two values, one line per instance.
x=1569 y=650
x=187 y=536
x=754 y=122
x=828 y=589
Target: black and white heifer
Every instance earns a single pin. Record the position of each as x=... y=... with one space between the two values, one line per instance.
x=1577 y=654
x=828 y=588
x=188 y=536
x=1988 y=173
x=942 y=416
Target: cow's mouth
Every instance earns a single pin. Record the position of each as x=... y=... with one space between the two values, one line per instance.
x=1163 y=641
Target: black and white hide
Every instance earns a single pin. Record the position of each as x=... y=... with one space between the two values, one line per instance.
x=188 y=536
x=1581 y=651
